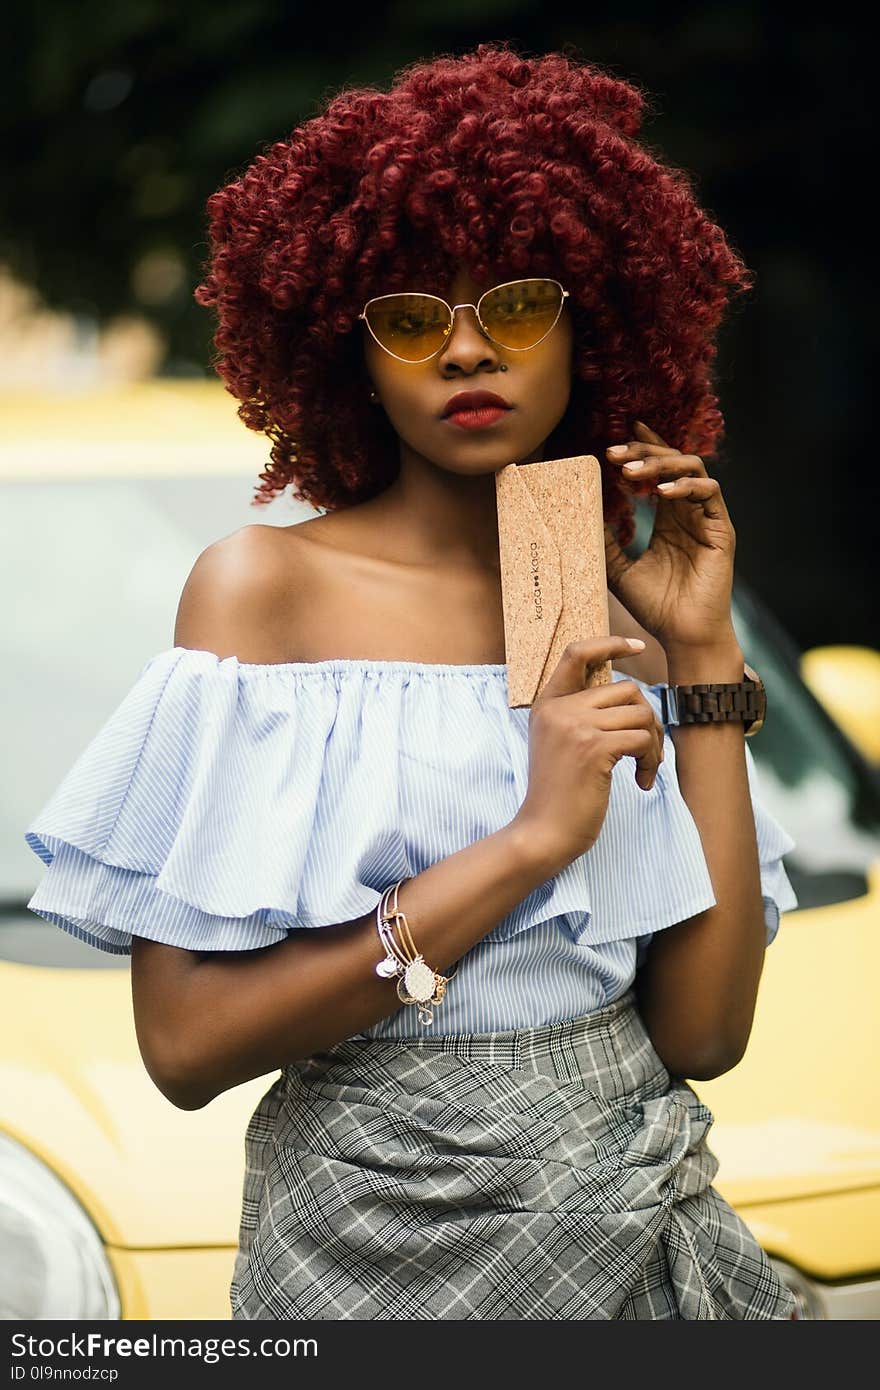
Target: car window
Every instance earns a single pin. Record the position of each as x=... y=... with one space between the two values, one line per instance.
x=812 y=779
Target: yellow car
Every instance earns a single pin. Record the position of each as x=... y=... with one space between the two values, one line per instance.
x=114 y=1204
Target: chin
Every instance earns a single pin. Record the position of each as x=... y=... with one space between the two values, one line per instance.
x=475 y=465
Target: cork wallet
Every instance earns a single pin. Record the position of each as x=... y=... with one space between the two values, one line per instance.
x=551 y=540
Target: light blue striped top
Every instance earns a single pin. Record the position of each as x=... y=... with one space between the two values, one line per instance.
x=223 y=803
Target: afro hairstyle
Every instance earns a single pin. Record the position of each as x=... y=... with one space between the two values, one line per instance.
x=512 y=166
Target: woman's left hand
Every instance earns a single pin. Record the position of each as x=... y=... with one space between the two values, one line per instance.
x=679 y=588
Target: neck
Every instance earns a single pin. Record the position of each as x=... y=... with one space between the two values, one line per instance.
x=436 y=517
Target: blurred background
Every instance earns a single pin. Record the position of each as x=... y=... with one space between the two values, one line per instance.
x=121 y=458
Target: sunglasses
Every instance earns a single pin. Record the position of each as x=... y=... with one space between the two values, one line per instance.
x=517 y=315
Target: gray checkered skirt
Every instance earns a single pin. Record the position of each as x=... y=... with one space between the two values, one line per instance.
x=550 y=1173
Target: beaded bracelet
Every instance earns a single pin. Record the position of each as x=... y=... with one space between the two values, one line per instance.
x=417 y=983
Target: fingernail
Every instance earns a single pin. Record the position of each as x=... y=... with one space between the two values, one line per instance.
x=634 y=466
x=635 y=642
x=617 y=449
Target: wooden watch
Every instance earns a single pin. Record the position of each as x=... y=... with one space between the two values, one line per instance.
x=716 y=702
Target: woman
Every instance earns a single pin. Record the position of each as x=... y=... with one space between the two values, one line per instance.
x=483 y=946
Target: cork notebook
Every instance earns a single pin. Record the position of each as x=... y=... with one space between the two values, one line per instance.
x=552 y=547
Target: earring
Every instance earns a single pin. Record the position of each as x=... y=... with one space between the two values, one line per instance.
x=374 y=399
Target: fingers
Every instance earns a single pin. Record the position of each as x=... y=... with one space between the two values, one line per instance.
x=644 y=463
x=641 y=744
x=578 y=657
x=622 y=710
x=622 y=720
x=611 y=717
x=703 y=492
x=623 y=692
x=641 y=465
x=652 y=468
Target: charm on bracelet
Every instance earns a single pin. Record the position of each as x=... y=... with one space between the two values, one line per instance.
x=417 y=983
x=414 y=989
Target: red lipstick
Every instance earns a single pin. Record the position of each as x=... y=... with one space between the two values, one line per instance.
x=473 y=410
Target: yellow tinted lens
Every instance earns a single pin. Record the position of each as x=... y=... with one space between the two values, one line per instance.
x=412 y=326
x=519 y=315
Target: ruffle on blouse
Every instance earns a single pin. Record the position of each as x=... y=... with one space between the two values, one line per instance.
x=225 y=803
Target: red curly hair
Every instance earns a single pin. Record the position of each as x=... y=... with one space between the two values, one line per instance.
x=512 y=166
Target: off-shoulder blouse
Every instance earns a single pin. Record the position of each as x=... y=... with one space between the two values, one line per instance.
x=224 y=803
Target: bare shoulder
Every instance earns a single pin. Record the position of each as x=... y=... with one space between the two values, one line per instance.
x=236 y=599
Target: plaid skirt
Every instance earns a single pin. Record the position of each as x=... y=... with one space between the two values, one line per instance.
x=550 y=1173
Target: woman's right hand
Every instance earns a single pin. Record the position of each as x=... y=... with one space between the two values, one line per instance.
x=576 y=735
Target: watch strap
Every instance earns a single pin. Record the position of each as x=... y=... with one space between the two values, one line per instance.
x=713 y=702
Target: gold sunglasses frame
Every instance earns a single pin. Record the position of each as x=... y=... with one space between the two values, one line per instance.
x=402 y=294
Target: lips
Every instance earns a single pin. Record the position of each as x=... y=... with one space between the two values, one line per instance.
x=475 y=400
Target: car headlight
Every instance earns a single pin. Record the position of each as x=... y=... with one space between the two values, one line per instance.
x=851 y=1301
x=52 y=1260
